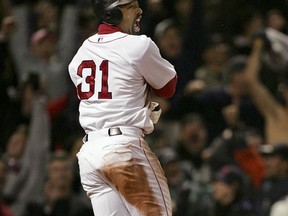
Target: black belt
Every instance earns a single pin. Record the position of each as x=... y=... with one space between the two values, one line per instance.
x=111 y=132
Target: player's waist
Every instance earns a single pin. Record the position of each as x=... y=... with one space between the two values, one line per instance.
x=113 y=131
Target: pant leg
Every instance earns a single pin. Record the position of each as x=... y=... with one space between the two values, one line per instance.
x=105 y=199
x=157 y=180
x=109 y=204
x=124 y=176
x=136 y=173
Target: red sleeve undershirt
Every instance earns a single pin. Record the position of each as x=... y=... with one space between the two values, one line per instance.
x=168 y=90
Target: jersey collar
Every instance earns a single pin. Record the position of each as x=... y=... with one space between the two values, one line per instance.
x=108 y=29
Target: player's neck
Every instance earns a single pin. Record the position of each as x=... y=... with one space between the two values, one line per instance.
x=108 y=29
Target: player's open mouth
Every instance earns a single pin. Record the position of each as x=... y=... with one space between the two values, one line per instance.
x=136 y=26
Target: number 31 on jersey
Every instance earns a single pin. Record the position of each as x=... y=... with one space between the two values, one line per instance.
x=86 y=89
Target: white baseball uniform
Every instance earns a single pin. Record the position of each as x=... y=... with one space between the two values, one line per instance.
x=112 y=71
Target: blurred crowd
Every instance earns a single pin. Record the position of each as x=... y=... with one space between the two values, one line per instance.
x=222 y=139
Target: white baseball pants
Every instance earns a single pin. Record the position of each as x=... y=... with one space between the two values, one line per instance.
x=122 y=176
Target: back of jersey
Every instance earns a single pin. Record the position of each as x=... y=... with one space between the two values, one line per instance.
x=111 y=90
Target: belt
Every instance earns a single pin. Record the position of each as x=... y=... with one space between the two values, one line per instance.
x=110 y=132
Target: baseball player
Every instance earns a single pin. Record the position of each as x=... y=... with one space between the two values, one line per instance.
x=114 y=71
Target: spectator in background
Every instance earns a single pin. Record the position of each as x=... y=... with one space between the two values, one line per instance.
x=195 y=194
x=18 y=110
x=176 y=177
x=45 y=47
x=73 y=145
x=248 y=23
x=169 y=38
x=7 y=69
x=229 y=193
x=60 y=168
x=228 y=106
x=8 y=74
x=26 y=155
x=46 y=15
x=275 y=19
x=239 y=148
x=192 y=141
x=215 y=56
x=58 y=196
x=46 y=51
x=4 y=209
x=189 y=15
x=13 y=155
x=156 y=11
x=274 y=112
x=275 y=184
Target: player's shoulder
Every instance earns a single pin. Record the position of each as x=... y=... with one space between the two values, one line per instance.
x=140 y=44
x=142 y=40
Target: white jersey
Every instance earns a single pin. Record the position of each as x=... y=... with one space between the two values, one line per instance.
x=111 y=72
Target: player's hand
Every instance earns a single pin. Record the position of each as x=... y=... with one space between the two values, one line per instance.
x=155 y=112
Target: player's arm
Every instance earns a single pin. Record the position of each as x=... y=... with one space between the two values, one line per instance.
x=168 y=90
x=158 y=72
x=261 y=96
